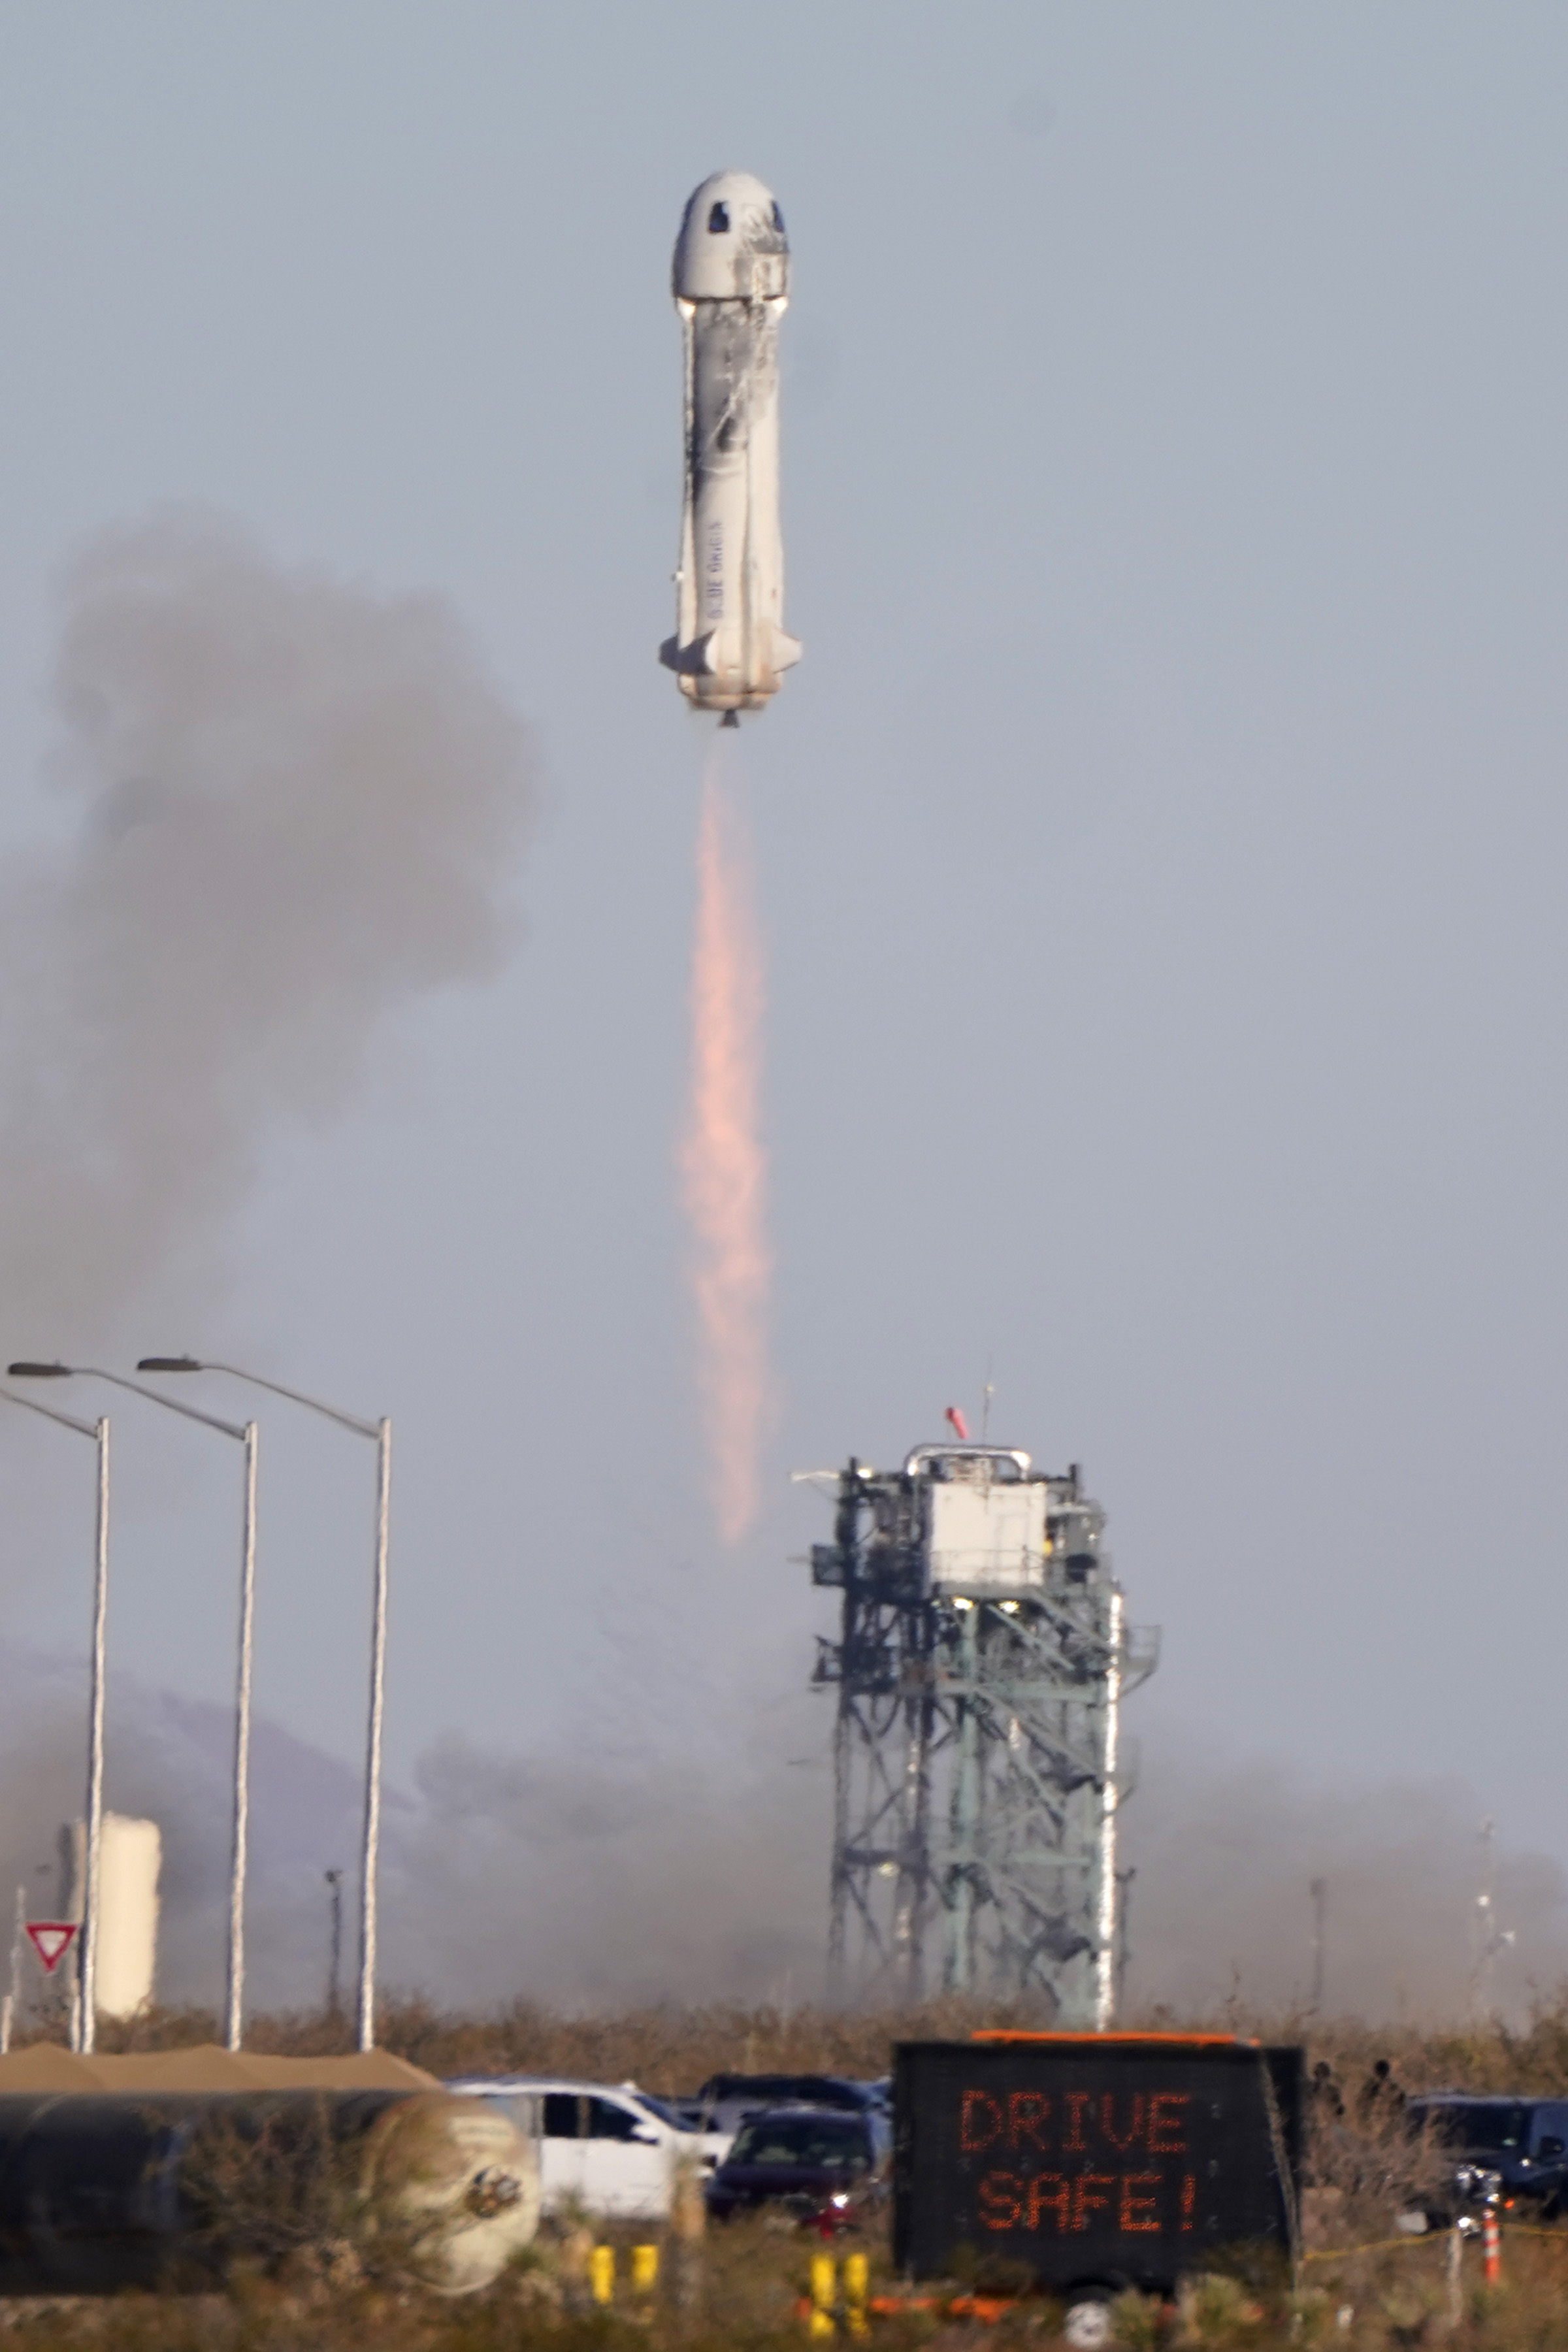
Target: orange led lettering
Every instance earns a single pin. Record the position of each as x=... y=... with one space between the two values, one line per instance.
x=1053 y=2190
x=1026 y=2113
x=1084 y=2201
x=1134 y=2207
x=999 y=2205
x=1189 y=2199
x=1135 y=2132
x=1162 y=2127
x=1077 y=2102
x=981 y=2122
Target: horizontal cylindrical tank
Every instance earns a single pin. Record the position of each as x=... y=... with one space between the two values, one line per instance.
x=104 y=2190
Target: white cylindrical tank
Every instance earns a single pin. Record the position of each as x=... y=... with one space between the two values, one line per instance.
x=129 y=1859
x=732 y=288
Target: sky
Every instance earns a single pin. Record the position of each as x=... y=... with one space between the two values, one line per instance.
x=1159 y=846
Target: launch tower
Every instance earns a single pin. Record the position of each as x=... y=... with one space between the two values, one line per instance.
x=981 y=1664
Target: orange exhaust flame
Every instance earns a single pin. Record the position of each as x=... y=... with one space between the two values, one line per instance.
x=723 y=1165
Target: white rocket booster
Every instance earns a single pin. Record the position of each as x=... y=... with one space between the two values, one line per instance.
x=732 y=286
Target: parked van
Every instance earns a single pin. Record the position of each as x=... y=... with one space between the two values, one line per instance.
x=609 y=2148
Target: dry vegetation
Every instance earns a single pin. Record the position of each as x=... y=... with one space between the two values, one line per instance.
x=673 y=2050
x=1356 y=2293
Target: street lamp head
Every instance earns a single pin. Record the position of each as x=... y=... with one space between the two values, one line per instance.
x=39 y=1371
x=169 y=1364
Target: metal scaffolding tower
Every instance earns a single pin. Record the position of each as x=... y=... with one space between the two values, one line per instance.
x=981 y=1664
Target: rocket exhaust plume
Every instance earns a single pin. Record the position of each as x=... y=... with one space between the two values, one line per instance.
x=722 y=1164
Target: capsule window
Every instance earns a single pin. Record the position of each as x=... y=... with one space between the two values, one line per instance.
x=778 y=220
x=719 y=221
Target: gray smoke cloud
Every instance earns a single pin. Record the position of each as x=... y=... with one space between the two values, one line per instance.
x=594 y=1883
x=601 y=1879
x=1221 y=1906
x=298 y=806
x=596 y=1880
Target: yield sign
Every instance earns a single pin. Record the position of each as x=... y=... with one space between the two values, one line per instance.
x=51 y=1939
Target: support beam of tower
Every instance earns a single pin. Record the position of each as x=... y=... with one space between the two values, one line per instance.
x=979 y=1762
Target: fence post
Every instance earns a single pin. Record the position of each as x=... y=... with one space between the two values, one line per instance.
x=602 y=2273
x=824 y=2272
x=1455 y=2277
x=645 y=2269
x=856 y=2281
x=688 y=2221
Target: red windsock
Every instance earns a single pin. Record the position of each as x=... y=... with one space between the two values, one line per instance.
x=960 y=1425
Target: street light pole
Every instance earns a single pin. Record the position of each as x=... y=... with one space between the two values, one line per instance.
x=247 y=1436
x=370 y=1860
x=84 y=2035
x=241 y=1847
x=370 y=1852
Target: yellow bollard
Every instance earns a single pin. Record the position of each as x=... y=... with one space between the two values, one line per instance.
x=645 y=2269
x=824 y=2290
x=602 y=2273
x=856 y=2286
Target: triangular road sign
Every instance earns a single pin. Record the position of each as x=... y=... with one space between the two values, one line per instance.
x=51 y=1939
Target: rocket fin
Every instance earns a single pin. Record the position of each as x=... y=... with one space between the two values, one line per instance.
x=687 y=661
x=787 y=651
x=690 y=660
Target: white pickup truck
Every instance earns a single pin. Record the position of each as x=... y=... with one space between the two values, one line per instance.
x=606 y=2147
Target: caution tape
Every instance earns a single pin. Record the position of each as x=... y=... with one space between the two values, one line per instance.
x=1425 y=2237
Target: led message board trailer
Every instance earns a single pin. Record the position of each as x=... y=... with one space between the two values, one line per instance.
x=1115 y=2160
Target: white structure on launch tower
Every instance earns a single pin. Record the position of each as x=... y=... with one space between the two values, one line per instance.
x=981 y=1663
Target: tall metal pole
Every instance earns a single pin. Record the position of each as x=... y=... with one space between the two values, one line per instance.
x=371 y=1853
x=94 y=1833
x=907 y=1906
x=1105 y=1932
x=963 y=1811
x=57 y=1372
x=380 y=1430
x=8 y=2006
x=84 y=2023
x=846 y=1537
x=334 y=1879
x=1320 y=1893
x=235 y=2005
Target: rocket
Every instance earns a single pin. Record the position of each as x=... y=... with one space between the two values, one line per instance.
x=732 y=286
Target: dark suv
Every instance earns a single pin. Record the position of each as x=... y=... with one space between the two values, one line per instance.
x=725 y=2101
x=825 y=2164
x=1512 y=2149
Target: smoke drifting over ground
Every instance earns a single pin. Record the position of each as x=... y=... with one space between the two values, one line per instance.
x=299 y=805
x=723 y=1163
x=644 y=1879
x=639 y=1877
x=1221 y=1904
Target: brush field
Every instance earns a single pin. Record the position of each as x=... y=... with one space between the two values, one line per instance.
x=741 y=2290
